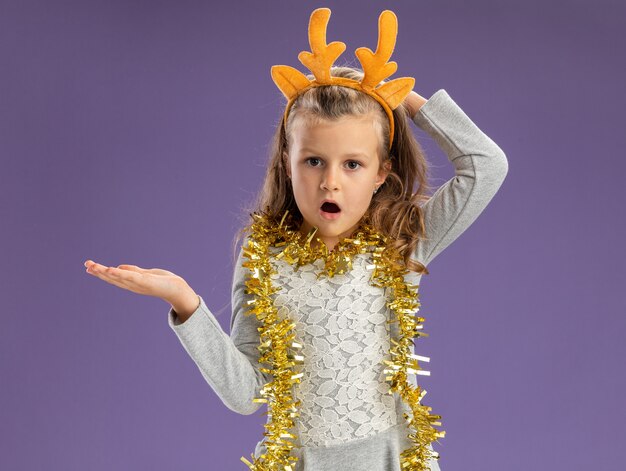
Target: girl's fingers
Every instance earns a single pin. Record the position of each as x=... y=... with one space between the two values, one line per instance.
x=135 y=268
x=114 y=282
x=123 y=275
x=107 y=274
x=112 y=273
x=152 y=282
x=122 y=278
x=158 y=271
x=94 y=267
x=130 y=277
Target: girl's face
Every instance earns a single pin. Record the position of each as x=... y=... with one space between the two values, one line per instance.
x=335 y=161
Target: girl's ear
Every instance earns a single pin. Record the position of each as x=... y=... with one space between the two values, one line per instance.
x=383 y=172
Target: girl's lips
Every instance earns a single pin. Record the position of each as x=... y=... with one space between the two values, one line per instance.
x=330 y=210
x=329 y=216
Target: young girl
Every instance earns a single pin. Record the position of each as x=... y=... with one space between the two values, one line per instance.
x=324 y=290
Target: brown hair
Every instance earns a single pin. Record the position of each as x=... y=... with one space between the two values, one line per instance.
x=395 y=208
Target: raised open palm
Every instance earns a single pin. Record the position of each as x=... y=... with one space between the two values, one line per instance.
x=155 y=282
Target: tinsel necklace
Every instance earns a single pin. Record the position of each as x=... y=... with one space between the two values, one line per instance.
x=279 y=346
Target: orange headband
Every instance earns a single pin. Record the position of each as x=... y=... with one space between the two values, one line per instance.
x=390 y=95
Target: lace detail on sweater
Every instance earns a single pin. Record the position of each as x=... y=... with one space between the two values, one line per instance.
x=341 y=322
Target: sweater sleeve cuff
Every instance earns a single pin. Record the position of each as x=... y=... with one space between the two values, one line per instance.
x=454 y=131
x=433 y=103
x=200 y=316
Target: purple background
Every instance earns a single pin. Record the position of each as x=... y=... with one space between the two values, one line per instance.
x=134 y=132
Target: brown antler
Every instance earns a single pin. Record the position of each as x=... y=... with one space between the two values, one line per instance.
x=319 y=61
x=291 y=81
x=323 y=55
x=375 y=65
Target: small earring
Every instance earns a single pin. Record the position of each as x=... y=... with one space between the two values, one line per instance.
x=375 y=190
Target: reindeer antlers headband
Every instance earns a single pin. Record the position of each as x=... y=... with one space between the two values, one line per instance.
x=390 y=95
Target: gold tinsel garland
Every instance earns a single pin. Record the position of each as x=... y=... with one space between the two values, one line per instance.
x=279 y=347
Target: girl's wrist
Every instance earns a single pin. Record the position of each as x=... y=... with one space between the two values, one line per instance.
x=185 y=303
x=414 y=103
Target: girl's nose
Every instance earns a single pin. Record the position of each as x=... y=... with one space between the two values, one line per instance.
x=330 y=181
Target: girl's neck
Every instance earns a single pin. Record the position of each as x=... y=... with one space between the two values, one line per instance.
x=329 y=242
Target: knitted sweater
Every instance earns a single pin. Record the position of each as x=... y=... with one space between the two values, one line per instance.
x=347 y=419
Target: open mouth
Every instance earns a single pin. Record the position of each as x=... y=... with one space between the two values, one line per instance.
x=330 y=208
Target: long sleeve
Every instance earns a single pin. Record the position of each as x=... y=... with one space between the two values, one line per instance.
x=229 y=364
x=480 y=168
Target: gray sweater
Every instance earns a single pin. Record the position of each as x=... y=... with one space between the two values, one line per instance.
x=347 y=422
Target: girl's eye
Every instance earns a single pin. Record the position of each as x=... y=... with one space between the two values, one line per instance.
x=315 y=162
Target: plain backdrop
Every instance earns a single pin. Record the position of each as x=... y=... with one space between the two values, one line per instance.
x=137 y=131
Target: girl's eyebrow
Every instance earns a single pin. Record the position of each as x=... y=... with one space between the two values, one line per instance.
x=351 y=154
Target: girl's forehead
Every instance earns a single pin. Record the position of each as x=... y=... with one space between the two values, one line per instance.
x=347 y=128
x=337 y=144
x=310 y=119
x=349 y=134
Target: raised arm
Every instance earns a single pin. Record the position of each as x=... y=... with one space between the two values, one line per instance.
x=480 y=168
x=228 y=363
